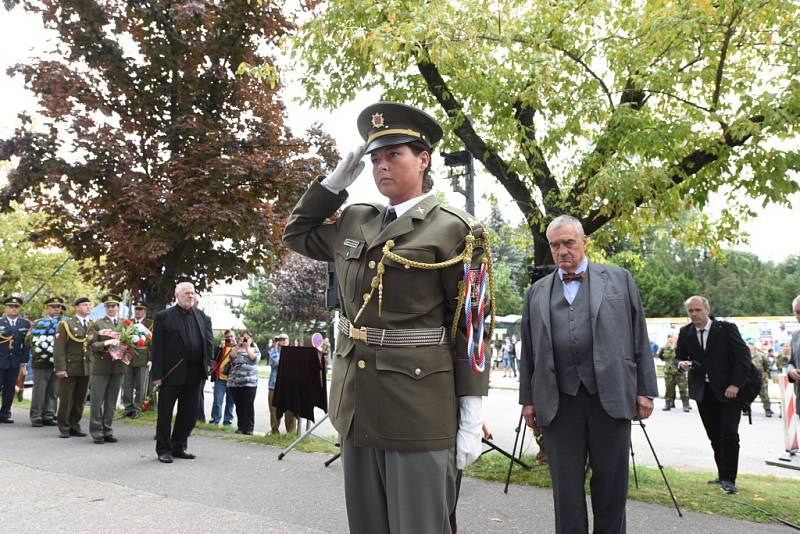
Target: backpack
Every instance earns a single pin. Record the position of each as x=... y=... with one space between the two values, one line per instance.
x=752 y=385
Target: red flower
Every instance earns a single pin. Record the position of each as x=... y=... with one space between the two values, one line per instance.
x=127 y=322
x=140 y=343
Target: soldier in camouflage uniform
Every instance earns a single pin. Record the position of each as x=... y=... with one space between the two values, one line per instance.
x=783 y=357
x=673 y=377
x=760 y=360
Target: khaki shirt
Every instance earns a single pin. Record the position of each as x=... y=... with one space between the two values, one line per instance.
x=393 y=398
x=102 y=362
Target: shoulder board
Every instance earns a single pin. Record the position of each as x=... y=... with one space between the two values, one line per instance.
x=474 y=225
x=377 y=206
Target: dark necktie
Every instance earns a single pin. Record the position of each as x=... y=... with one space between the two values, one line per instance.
x=390 y=216
x=572 y=277
x=702 y=345
x=114 y=321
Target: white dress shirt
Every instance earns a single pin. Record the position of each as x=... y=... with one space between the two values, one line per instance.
x=571 y=288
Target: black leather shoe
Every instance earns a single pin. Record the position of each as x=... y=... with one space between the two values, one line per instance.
x=715 y=481
x=134 y=415
x=98 y=441
x=63 y=435
x=165 y=458
x=109 y=439
x=728 y=487
x=49 y=423
x=77 y=433
x=183 y=455
x=37 y=424
x=768 y=413
x=8 y=421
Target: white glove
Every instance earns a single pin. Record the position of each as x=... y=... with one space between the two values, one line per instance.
x=346 y=171
x=470 y=430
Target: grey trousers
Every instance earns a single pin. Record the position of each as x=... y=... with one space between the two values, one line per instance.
x=134 y=388
x=582 y=428
x=45 y=395
x=390 y=492
x=105 y=392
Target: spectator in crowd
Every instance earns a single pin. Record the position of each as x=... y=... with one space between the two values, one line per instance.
x=243 y=382
x=517 y=344
x=508 y=355
x=275 y=416
x=793 y=367
x=717 y=359
x=497 y=354
x=783 y=357
x=673 y=377
x=219 y=375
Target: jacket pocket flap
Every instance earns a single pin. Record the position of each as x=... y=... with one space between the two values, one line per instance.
x=416 y=363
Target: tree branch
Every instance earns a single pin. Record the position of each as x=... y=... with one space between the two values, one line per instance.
x=723 y=55
x=577 y=59
x=535 y=157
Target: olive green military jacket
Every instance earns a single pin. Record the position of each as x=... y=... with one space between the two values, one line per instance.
x=393 y=398
x=102 y=362
x=142 y=355
x=71 y=351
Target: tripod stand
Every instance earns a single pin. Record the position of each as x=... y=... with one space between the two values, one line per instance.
x=658 y=463
x=514 y=459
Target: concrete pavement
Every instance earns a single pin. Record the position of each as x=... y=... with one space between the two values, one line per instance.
x=71 y=484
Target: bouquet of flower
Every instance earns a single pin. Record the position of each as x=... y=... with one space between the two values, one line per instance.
x=43 y=336
x=130 y=335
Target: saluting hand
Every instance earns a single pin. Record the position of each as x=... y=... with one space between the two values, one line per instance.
x=346 y=171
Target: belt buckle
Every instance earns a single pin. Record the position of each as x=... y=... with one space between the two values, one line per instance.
x=359 y=334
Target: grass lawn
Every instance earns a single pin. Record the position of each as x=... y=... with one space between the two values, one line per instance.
x=778 y=496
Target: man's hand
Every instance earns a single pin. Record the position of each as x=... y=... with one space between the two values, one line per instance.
x=644 y=408
x=111 y=342
x=684 y=365
x=157 y=383
x=529 y=413
x=346 y=171
x=731 y=392
x=62 y=374
x=794 y=374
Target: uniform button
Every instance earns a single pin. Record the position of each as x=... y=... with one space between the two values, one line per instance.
x=361 y=364
x=372 y=264
x=417 y=371
x=408 y=267
x=365 y=296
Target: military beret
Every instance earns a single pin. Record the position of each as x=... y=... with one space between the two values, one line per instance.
x=13 y=301
x=81 y=300
x=389 y=123
x=110 y=298
x=56 y=301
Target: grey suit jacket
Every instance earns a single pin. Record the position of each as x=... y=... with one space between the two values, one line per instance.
x=794 y=362
x=623 y=363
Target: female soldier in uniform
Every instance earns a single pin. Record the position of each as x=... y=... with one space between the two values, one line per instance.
x=406 y=390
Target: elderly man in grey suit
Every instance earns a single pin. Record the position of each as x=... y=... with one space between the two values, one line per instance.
x=794 y=362
x=587 y=371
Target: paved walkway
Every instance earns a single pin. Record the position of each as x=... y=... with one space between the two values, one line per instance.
x=72 y=485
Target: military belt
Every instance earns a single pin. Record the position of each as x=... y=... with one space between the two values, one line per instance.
x=410 y=337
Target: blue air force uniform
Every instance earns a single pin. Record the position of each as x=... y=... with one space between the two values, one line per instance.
x=13 y=355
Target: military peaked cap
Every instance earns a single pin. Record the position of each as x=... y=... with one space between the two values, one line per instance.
x=56 y=301
x=110 y=298
x=81 y=300
x=389 y=123
x=139 y=305
x=14 y=301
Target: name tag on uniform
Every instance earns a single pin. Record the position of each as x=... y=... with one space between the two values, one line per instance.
x=352 y=243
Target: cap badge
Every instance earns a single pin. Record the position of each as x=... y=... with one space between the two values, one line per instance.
x=377 y=120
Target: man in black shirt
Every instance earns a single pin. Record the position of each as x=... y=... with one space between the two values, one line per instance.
x=182 y=348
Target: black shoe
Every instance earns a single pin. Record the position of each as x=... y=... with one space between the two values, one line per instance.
x=98 y=441
x=183 y=455
x=8 y=421
x=728 y=487
x=134 y=415
x=687 y=408
x=49 y=423
x=165 y=458
x=109 y=439
x=36 y=424
x=63 y=434
x=768 y=413
x=715 y=481
x=666 y=407
x=77 y=433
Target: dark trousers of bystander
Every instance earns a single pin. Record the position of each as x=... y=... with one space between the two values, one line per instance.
x=244 y=399
x=721 y=421
x=169 y=437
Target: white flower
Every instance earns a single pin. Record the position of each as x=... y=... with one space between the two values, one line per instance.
x=134 y=338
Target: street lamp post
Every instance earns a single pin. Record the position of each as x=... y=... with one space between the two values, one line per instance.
x=463 y=159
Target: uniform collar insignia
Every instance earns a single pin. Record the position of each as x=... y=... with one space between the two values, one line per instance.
x=377 y=120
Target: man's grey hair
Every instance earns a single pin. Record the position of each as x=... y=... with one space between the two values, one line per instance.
x=181 y=285
x=564 y=220
x=795 y=302
x=701 y=298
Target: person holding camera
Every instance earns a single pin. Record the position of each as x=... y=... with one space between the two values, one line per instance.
x=243 y=382
x=219 y=375
x=274 y=415
x=717 y=359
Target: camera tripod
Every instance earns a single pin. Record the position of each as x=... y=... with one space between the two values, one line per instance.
x=658 y=463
